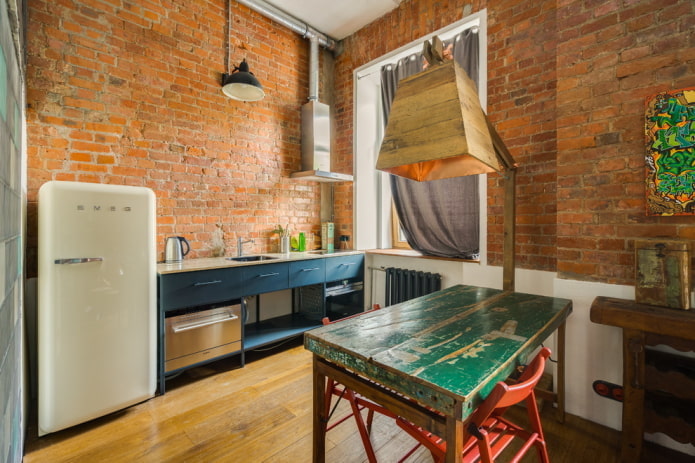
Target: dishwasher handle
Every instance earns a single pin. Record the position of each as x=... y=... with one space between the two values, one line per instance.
x=206 y=321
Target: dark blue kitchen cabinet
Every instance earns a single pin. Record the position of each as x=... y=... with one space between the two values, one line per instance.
x=265 y=278
x=344 y=267
x=202 y=287
x=307 y=272
x=189 y=292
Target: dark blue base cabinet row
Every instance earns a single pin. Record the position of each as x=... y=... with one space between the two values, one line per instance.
x=202 y=313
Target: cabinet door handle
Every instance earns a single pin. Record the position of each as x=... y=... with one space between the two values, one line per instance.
x=263 y=275
x=310 y=269
x=349 y=263
x=205 y=283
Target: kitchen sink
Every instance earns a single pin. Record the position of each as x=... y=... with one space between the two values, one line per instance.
x=251 y=258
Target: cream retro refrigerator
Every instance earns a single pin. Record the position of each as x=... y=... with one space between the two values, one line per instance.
x=96 y=301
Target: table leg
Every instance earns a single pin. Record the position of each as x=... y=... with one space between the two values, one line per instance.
x=561 y=373
x=319 y=424
x=454 y=436
x=633 y=401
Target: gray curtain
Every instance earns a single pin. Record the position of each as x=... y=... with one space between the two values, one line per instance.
x=439 y=217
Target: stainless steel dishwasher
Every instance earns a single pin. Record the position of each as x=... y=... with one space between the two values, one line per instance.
x=195 y=336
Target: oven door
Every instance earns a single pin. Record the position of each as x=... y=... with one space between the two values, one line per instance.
x=344 y=299
x=202 y=335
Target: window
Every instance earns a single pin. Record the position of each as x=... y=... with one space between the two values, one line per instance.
x=373 y=216
x=398 y=240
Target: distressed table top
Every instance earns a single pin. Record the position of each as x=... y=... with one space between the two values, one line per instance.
x=452 y=345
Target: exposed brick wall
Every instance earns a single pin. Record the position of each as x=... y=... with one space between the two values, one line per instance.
x=611 y=56
x=566 y=88
x=129 y=93
x=521 y=103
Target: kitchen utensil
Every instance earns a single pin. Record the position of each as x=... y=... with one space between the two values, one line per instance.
x=173 y=251
x=284 y=245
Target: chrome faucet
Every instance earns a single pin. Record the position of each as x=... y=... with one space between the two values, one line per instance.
x=240 y=246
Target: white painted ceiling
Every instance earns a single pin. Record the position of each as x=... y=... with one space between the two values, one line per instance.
x=336 y=18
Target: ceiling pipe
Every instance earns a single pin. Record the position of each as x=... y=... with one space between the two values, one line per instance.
x=301 y=28
x=313 y=68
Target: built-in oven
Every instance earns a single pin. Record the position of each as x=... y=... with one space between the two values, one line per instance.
x=201 y=334
x=344 y=298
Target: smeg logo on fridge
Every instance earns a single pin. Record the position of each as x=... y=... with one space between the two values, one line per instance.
x=99 y=208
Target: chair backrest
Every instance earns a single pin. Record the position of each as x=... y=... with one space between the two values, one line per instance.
x=504 y=395
x=327 y=321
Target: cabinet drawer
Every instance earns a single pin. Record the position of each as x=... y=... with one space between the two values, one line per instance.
x=199 y=336
x=344 y=267
x=265 y=278
x=190 y=289
x=307 y=272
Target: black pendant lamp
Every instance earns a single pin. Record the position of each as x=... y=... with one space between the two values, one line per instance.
x=241 y=84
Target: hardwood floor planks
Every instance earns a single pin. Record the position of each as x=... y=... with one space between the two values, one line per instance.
x=262 y=414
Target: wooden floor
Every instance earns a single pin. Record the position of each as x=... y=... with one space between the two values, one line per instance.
x=262 y=413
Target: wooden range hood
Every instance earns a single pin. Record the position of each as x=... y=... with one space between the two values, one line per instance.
x=437 y=129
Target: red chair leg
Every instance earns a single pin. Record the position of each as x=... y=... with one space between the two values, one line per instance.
x=364 y=434
x=535 y=421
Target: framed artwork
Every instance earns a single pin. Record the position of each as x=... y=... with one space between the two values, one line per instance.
x=670 y=157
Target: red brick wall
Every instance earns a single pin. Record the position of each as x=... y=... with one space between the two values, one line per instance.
x=611 y=56
x=131 y=95
x=521 y=103
x=566 y=88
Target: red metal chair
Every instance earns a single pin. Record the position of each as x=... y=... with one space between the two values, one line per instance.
x=489 y=432
x=357 y=403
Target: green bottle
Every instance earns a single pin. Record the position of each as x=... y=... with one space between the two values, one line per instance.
x=302 y=242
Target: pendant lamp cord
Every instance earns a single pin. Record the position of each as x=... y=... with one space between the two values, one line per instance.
x=228 y=31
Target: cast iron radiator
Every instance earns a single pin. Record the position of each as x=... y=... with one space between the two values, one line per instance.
x=403 y=284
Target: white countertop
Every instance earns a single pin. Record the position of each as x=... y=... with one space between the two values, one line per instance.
x=208 y=263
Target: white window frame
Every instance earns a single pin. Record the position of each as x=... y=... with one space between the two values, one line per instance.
x=372 y=194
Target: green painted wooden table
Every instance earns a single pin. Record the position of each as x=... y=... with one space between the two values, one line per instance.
x=446 y=350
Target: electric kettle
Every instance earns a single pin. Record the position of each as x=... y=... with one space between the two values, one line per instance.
x=173 y=252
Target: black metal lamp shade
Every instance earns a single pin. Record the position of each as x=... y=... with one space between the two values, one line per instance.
x=242 y=85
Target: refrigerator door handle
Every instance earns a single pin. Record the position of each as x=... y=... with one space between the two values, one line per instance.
x=78 y=260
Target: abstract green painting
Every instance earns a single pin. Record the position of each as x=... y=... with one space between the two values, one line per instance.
x=670 y=158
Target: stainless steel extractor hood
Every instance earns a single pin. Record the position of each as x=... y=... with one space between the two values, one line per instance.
x=316 y=145
x=316 y=131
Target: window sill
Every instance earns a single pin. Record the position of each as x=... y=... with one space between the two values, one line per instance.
x=412 y=253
